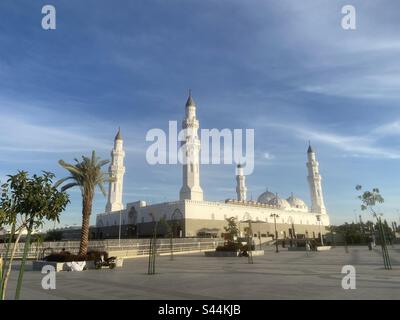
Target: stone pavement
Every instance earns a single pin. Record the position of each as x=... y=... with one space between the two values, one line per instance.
x=283 y=275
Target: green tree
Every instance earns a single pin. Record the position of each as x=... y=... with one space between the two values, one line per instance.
x=369 y=199
x=86 y=175
x=33 y=201
x=11 y=195
x=232 y=228
x=2 y=223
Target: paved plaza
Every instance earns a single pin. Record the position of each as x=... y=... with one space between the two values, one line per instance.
x=283 y=275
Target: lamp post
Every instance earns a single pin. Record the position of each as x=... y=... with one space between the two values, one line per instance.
x=174 y=230
x=250 y=243
x=320 y=233
x=119 y=231
x=274 y=215
x=153 y=247
x=333 y=239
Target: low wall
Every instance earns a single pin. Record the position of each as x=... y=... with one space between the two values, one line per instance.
x=254 y=253
x=125 y=248
x=58 y=266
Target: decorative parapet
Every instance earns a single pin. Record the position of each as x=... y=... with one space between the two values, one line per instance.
x=251 y=203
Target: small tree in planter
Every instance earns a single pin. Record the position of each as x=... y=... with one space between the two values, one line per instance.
x=31 y=201
x=232 y=231
x=12 y=194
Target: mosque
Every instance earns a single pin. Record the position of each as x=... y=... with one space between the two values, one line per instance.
x=192 y=216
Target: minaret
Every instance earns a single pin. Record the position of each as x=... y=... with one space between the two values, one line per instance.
x=314 y=180
x=241 y=189
x=116 y=171
x=191 y=189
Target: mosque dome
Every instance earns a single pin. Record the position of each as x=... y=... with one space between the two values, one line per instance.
x=279 y=202
x=265 y=197
x=297 y=203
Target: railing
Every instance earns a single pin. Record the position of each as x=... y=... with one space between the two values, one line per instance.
x=125 y=247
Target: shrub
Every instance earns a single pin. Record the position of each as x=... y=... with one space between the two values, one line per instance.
x=234 y=246
x=65 y=256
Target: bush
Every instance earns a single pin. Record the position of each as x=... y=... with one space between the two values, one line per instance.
x=229 y=246
x=246 y=247
x=65 y=256
x=234 y=246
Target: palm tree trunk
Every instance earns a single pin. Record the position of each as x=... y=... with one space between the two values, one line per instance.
x=87 y=203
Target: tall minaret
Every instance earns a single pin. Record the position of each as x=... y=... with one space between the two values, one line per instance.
x=314 y=180
x=116 y=171
x=191 y=189
x=241 y=189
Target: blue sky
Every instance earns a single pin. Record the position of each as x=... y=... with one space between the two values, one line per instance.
x=285 y=68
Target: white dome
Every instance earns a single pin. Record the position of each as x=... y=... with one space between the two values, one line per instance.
x=279 y=202
x=265 y=197
x=297 y=203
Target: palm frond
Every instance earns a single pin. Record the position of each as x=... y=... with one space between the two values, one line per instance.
x=61 y=181
x=69 y=186
x=101 y=187
x=103 y=162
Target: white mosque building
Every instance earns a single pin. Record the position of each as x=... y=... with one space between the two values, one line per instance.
x=195 y=217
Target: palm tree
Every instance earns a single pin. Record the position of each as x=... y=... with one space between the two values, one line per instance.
x=86 y=175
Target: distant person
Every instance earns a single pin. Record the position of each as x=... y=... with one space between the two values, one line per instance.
x=308 y=248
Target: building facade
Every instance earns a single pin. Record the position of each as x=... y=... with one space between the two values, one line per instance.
x=192 y=216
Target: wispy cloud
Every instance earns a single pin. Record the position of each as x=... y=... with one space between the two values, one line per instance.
x=364 y=145
x=31 y=129
x=388 y=129
x=354 y=145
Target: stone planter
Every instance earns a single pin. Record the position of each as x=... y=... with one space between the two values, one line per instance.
x=231 y=253
x=324 y=248
x=119 y=262
x=59 y=266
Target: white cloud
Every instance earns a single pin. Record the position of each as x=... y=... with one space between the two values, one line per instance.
x=28 y=128
x=388 y=129
x=354 y=145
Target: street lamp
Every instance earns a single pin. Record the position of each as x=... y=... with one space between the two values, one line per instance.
x=274 y=215
x=320 y=233
x=119 y=230
x=174 y=230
